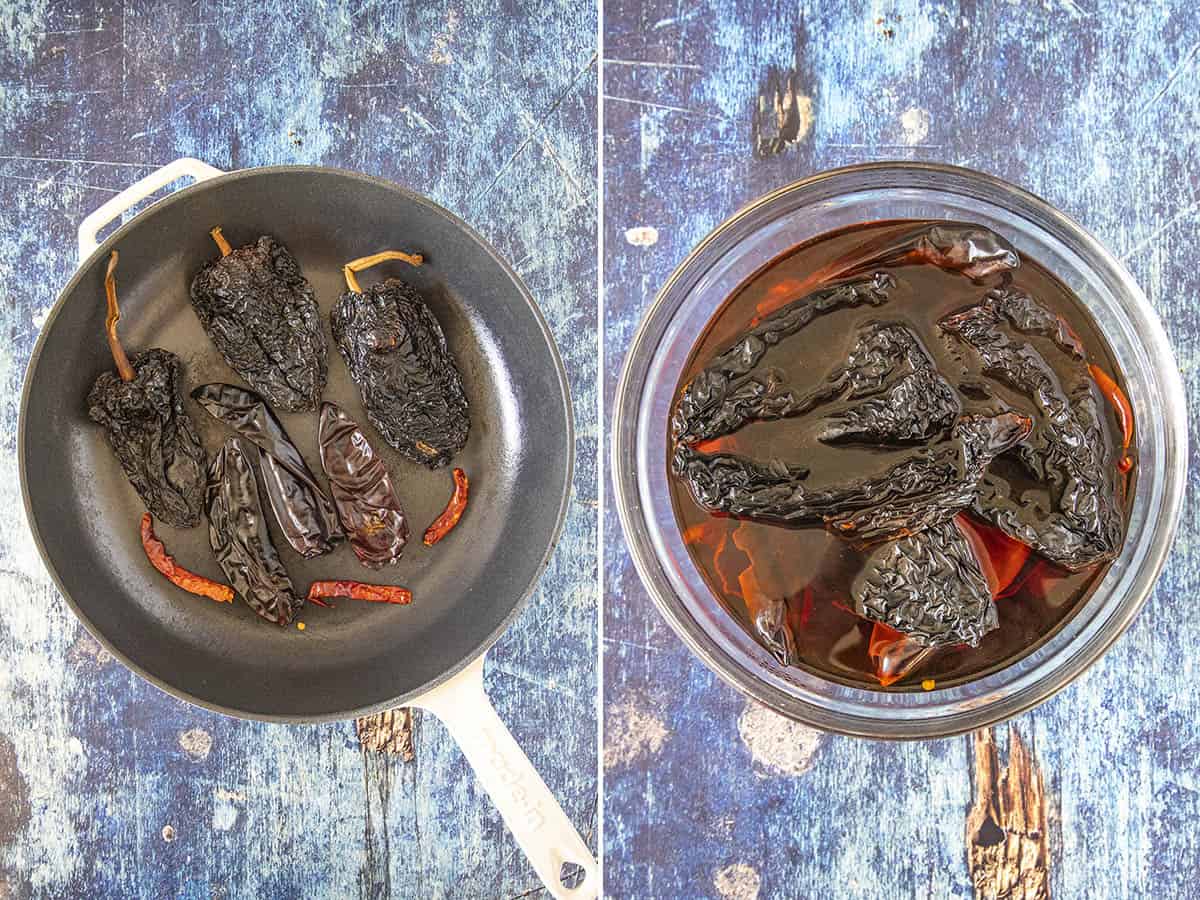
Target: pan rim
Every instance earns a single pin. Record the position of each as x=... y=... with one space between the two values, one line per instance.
x=539 y=319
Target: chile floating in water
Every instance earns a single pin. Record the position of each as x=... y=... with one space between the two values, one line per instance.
x=901 y=449
x=260 y=311
x=397 y=355
x=143 y=417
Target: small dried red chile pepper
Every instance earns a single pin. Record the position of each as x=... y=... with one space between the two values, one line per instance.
x=452 y=513
x=1120 y=404
x=357 y=590
x=157 y=553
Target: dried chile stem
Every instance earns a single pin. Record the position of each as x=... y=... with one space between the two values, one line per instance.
x=366 y=262
x=357 y=590
x=124 y=369
x=157 y=553
x=452 y=513
x=222 y=244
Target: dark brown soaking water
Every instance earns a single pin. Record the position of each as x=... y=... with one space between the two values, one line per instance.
x=752 y=565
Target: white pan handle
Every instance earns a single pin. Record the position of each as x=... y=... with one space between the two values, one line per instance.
x=90 y=227
x=558 y=854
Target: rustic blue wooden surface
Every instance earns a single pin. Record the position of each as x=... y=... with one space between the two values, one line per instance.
x=1094 y=105
x=492 y=115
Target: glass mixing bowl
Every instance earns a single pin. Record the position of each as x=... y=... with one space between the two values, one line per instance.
x=761 y=232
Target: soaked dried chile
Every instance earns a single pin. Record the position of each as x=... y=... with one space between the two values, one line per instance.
x=396 y=352
x=261 y=313
x=157 y=553
x=928 y=586
x=237 y=531
x=149 y=431
x=973 y=250
x=1067 y=452
x=1028 y=316
x=363 y=495
x=906 y=399
x=929 y=486
x=304 y=513
x=1124 y=412
x=725 y=394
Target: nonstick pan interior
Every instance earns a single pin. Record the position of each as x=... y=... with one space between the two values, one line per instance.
x=358 y=656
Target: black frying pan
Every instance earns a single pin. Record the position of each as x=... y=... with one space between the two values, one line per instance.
x=358 y=657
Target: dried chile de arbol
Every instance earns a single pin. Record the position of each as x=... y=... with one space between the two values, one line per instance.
x=1081 y=524
x=725 y=394
x=455 y=507
x=239 y=537
x=303 y=512
x=319 y=591
x=157 y=553
x=143 y=417
x=362 y=490
x=396 y=352
x=928 y=586
x=930 y=485
x=904 y=397
x=260 y=311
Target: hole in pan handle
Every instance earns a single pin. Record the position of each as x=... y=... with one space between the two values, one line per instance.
x=554 y=848
x=89 y=228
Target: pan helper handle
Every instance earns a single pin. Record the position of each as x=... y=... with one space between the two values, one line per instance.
x=89 y=228
x=558 y=854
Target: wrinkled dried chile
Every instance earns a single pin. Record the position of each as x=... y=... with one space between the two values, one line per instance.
x=455 y=507
x=305 y=515
x=237 y=531
x=827 y=434
x=142 y=413
x=320 y=591
x=366 y=503
x=396 y=352
x=260 y=311
x=157 y=553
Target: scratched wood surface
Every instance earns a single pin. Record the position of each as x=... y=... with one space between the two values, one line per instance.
x=1094 y=105
x=111 y=788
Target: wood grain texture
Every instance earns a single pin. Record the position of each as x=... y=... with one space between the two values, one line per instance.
x=390 y=731
x=1006 y=834
x=492 y=115
x=1094 y=106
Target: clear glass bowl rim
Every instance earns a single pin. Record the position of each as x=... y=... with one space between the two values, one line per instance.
x=870 y=716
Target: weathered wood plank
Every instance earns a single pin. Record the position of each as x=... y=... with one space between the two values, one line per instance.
x=492 y=116
x=1091 y=105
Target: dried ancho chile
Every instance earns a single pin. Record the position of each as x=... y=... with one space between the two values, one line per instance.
x=303 y=512
x=1082 y=523
x=724 y=395
x=239 y=537
x=157 y=553
x=947 y=483
x=928 y=586
x=904 y=397
x=974 y=251
x=930 y=485
x=260 y=311
x=397 y=355
x=142 y=413
x=362 y=490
